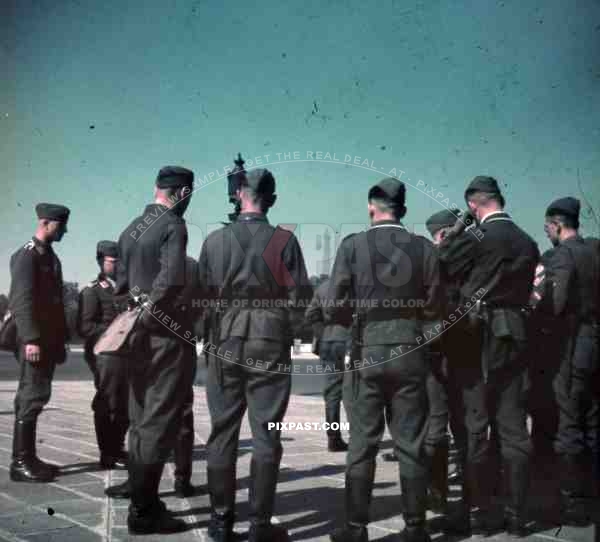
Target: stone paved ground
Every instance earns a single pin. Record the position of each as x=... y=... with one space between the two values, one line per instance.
x=310 y=495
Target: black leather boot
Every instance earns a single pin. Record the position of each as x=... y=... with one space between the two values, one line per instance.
x=517 y=477
x=147 y=513
x=572 y=491
x=221 y=488
x=24 y=467
x=414 y=503
x=335 y=443
x=42 y=465
x=472 y=517
x=184 y=448
x=263 y=486
x=438 y=484
x=359 y=487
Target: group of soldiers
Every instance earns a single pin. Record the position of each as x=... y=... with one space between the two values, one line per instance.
x=472 y=331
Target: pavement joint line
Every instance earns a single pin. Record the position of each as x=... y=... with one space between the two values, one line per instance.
x=45 y=445
x=48 y=434
x=57 y=515
x=10 y=537
x=196 y=530
x=80 y=494
x=43 y=425
x=106 y=508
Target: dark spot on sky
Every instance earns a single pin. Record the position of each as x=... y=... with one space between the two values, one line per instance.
x=19 y=204
x=541 y=21
x=485 y=140
x=283 y=55
x=346 y=115
x=315 y=109
x=357 y=83
x=92 y=126
x=267 y=143
x=377 y=116
x=383 y=147
x=50 y=511
x=365 y=58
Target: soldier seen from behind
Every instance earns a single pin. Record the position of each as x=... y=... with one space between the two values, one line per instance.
x=391 y=277
x=571 y=296
x=255 y=273
x=502 y=259
x=98 y=307
x=36 y=300
x=153 y=261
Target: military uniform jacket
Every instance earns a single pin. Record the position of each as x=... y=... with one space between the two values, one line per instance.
x=497 y=256
x=572 y=276
x=391 y=278
x=36 y=295
x=153 y=259
x=339 y=328
x=257 y=273
x=499 y=260
x=98 y=307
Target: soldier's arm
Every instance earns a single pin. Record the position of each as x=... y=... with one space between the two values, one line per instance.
x=432 y=309
x=314 y=312
x=87 y=326
x=300 y=291
x=341 y=280
x=170 y=280
x=121 y=282
x=60 y=278
x=559 y=274
x=206 y=285
x=457 y=254
x=22 y=292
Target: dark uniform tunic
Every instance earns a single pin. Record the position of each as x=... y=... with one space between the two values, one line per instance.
x=545 y=340
x=153 y=261
x=392 y=278
x=36 y=300
x=334 y=342
x=98 y=307
x=573 y=276
x=500 y=261
x=257 y=273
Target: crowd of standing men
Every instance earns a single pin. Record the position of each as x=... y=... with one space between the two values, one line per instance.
x=473 y=330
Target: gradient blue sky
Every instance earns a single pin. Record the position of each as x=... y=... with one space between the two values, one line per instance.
x=441 y=90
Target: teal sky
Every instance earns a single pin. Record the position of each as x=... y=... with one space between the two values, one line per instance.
x=97 y=96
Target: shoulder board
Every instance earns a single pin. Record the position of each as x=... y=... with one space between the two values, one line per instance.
x=92 y=283
x=29 y=245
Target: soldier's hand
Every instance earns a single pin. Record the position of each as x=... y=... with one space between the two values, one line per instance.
x=32 y=353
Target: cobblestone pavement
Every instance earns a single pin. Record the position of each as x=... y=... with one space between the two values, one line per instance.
x=310 y=491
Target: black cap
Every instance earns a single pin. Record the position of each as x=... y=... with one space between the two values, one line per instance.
x=441 y=219
x=261 y=181
x=390 y=189
x=482 y=183
x=174 y=177
x=107 y=248
x=564 y=206
x=52 y=211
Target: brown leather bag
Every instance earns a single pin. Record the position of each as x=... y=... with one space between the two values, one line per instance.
x=8 y=332
x=114 y=340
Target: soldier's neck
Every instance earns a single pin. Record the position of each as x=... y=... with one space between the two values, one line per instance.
x=254 y=209
x=42 y=238
x=566 y=235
